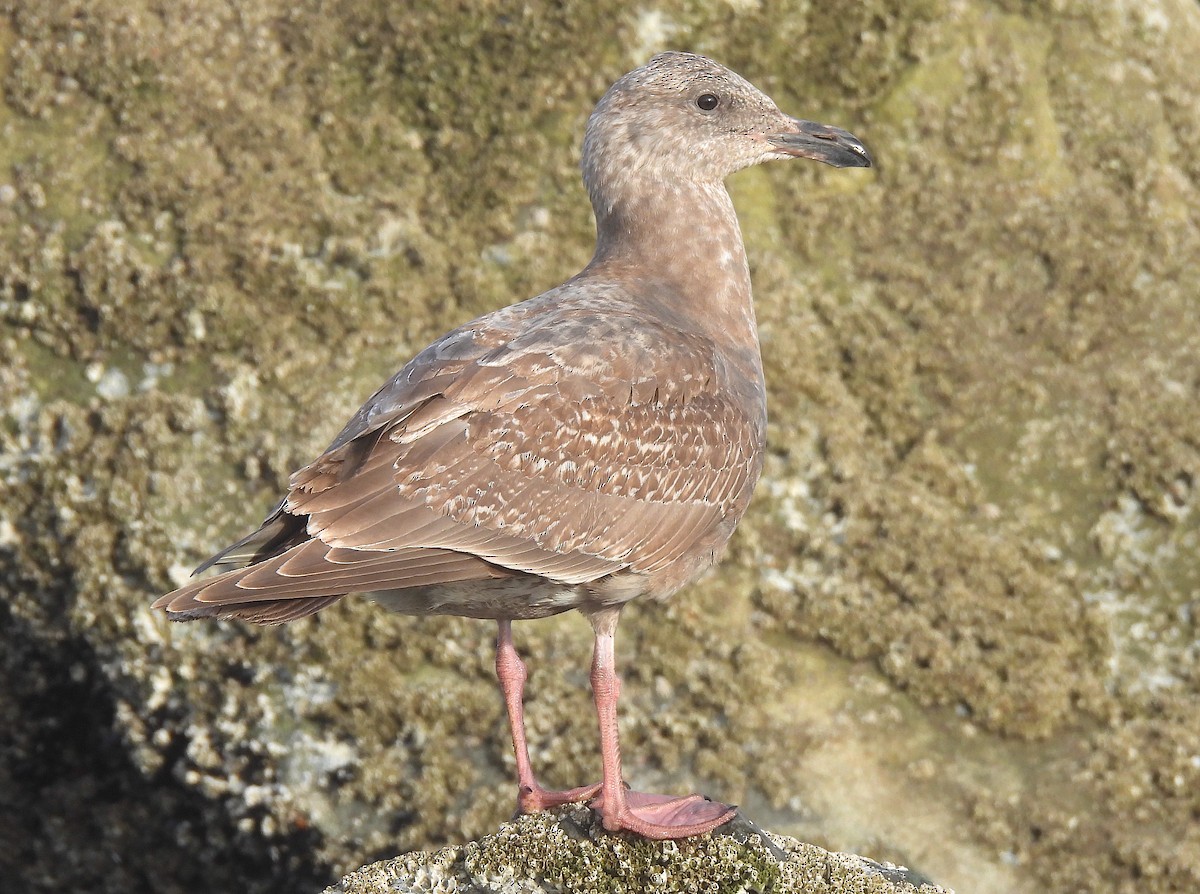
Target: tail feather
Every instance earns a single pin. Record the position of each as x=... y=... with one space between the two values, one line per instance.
x=311 y=575
x=268 y=614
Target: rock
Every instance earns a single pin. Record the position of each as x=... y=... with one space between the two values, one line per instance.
x=969 y=582
x=566 y=851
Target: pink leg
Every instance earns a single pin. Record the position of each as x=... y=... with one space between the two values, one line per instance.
x=531 y=797
x=651 y=816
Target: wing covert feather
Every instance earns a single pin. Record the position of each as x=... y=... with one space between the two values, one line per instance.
x=523 y=453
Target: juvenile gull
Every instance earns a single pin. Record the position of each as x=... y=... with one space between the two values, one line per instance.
x=581 y=449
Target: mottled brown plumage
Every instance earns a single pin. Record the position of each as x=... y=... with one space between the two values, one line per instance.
x=589 y=446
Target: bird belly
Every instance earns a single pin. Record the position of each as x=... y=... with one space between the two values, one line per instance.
x=511 y=598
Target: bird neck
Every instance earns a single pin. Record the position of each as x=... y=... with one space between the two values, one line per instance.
x=685 y=235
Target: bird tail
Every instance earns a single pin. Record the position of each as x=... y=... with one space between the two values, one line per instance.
x=183 y=604
x=307 y=577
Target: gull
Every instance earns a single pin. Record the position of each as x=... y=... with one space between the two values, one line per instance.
x=588 y=447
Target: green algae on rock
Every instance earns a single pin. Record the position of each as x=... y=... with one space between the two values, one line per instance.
x=973 y=551
x=566 y=851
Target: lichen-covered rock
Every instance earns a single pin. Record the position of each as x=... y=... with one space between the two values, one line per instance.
x=566 y=851
x=969 y=577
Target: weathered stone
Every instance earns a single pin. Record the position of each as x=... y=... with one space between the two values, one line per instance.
x=566 y=851
x=968 y=581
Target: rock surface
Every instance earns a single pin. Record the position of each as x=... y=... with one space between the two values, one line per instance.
x=969 y=577
x=566 y=851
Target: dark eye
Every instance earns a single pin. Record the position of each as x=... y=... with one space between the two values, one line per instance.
x=708 y=101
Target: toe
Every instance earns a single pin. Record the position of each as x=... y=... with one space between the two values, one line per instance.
x=661 y=817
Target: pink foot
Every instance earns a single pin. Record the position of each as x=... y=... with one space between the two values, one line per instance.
x=663 y=817
x=534 y=798
x=659 y=817
x=531 y=797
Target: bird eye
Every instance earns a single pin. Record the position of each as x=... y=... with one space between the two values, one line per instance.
x=708 y=101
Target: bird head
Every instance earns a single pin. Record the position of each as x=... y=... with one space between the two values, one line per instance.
x=682 y=116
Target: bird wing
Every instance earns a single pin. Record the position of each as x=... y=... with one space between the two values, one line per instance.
x=570 y=447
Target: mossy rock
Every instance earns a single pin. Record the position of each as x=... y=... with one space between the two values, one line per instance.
x=969 y=572
x=566 y=851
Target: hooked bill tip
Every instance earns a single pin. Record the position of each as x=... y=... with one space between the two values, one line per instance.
x=824 y=143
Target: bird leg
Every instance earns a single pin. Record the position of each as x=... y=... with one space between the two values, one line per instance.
x=651 y=816
x=531 y=797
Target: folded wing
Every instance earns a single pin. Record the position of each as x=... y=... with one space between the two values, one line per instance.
x=567 y=450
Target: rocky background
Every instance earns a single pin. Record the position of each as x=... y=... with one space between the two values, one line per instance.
x=958 y=629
